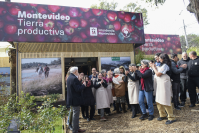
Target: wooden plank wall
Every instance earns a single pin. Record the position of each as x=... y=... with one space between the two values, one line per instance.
x=4 y=62
x=64 y=55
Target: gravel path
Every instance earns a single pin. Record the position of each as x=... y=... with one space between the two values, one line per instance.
x=187 y=122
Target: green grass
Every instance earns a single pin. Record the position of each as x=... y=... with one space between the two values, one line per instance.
x=58 y=127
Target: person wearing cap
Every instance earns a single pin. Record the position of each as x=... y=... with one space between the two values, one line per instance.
x=119 y=86
x=138 y=66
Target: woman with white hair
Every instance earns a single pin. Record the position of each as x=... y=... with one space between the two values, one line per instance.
x=146 y=90
x=119 y=86
x=102 y=100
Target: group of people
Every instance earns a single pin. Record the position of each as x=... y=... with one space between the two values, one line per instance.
x=40 y=70
x=154 y=82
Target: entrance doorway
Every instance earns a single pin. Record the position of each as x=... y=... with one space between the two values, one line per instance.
x=84 y=64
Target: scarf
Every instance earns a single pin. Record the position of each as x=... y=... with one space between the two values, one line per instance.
x=142 y=80
x=89 y=83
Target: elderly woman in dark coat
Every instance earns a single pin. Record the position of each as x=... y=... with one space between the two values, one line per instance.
x=145 y=89
x=88 y=98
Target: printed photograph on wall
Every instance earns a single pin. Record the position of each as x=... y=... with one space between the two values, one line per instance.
x=4 y=77
x=41 y=76
x=110 y=63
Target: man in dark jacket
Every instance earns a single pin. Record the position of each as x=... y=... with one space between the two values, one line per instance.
x=193 y=76
x=183 y=78
x=175 y=77
x=74 y=89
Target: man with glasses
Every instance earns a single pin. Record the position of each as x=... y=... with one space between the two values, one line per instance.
x=184 y=78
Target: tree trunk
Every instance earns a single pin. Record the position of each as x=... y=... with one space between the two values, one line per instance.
x=193 y=7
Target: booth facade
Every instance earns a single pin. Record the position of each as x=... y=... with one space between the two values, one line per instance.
x=67 y=51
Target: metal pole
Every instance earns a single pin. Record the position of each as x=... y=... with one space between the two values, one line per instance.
x=134 y=53
x=17 y=68
x=187 y=46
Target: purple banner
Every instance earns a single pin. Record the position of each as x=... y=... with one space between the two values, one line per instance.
x=23 y=22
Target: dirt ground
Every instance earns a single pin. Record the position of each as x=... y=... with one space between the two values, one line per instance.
x=187 y=122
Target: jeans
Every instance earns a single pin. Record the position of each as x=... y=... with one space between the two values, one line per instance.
x=68 y=117
x=149 y=98
x=193 y=82
x=102 y=112
x=122 y=99
x=176 y=90
x=115 y=106
x=183 y=89
x=69 y=120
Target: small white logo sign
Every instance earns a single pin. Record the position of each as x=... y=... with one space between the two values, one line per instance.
x=126 y=33
x=93 y=31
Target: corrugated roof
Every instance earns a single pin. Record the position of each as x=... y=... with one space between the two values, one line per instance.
x=26 y=47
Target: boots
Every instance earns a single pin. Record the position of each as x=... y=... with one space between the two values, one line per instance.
x=123 y=108
x=117 y=108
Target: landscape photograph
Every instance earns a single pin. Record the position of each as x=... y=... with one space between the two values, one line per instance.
x=108 y=64
x=4 y=77
x=41 y=76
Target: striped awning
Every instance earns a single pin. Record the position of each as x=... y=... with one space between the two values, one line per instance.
x=26 y=47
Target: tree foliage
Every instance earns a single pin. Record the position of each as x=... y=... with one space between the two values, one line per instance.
x=155 y=2
x=105 y=5
x=196 y=49
x=193 y=41
x=131 y=7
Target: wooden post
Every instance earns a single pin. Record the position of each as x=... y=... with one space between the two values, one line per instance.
x=12 y=60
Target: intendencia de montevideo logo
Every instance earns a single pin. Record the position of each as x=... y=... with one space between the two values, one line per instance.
x=47 y=24
x=126 y=33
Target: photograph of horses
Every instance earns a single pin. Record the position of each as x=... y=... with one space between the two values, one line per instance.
x=41 y=76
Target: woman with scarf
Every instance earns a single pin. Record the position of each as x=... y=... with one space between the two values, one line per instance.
x=88 y=98
x=102 y=99
x=146 y=90
x=164 y=90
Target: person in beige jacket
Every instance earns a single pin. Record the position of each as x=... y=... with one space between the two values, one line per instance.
x=119 y=86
